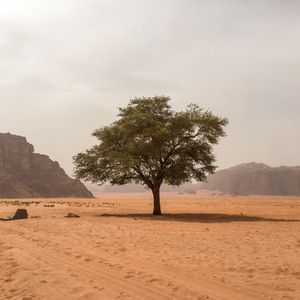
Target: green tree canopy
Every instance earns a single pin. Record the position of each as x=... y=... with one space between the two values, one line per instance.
x=150 y=144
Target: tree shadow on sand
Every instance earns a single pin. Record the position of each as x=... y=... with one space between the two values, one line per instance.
x=199 y=217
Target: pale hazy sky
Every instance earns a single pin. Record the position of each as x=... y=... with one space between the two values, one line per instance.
x=67 y=65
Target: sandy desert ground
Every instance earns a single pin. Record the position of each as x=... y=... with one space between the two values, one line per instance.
x=205 y=246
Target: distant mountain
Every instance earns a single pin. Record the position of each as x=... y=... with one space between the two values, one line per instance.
x=188 y=188
x=25 y=174
x=256 y=179
x=245 y=179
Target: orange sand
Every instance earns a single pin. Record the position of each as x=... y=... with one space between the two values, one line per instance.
x=204 y=247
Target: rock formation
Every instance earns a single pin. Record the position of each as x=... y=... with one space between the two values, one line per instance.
x=25 y=174
x=256 y=179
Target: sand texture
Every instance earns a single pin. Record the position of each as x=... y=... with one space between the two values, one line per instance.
x=205 y=246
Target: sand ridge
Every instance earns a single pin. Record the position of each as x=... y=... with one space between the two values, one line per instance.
x=204 y=247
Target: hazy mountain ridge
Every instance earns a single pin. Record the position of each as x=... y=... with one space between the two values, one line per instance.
x=256 y=179
x=248 y=178
x=137 y=188
x=25 y=174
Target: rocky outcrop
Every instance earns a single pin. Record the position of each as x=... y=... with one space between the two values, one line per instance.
x=25 y=174
x=256 y=179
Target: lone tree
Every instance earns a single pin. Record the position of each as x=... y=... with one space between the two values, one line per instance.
x=151 y=144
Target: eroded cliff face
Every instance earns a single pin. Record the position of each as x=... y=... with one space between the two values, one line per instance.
x=15 y=152
x=25 y=174
x=256 y=179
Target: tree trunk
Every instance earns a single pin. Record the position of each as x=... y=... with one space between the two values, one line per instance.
x=156 y=200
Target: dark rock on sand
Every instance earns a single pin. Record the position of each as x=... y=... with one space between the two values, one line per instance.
x=71 y=215
x=19 y=214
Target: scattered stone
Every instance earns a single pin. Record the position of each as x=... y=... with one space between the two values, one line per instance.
x=19 y=214
x=71 y=215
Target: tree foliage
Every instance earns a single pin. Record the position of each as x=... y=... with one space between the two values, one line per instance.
x=150 y=144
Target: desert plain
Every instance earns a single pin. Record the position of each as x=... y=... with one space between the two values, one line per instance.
x=205 y=246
